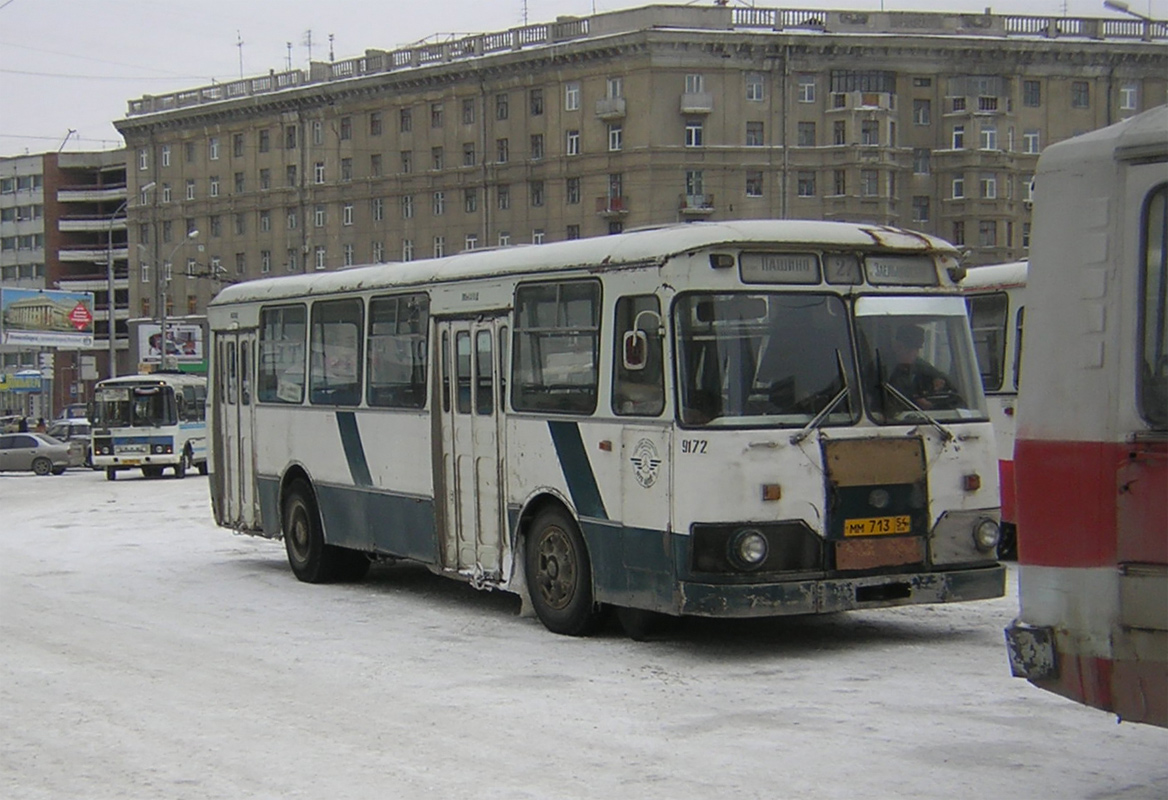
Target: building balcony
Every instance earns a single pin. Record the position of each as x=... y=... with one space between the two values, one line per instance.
x=612 y=207
x=696 y=205
x=91 y=224
x=91 y=194
x=697 y=103
x=610 y=108
x=93 y=254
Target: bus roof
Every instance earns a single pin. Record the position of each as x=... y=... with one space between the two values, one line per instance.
x=655 y=245
x=173 y=378
x=1134 y=138
x=995 y=277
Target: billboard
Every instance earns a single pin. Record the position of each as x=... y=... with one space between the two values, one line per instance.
x=184 y=343
x=46 y=318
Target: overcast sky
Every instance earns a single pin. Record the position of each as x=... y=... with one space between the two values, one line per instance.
x=72 y=65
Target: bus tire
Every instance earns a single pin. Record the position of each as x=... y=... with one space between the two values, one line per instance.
x=202 y=467
x=559 y=575
x=111 y=474
x=312 y=560
x=180 y=469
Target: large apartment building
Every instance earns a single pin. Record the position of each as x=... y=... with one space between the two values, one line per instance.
x=63 y=226
x=587 y=126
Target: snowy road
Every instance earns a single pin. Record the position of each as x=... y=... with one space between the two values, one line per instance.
x=146 y=653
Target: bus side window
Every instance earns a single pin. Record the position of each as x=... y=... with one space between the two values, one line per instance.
x=245 y=373
x=503 y=367
x=335 y=340
x=1018 y=347
x=988 y=320
x=445 y=371
x=232 y=385
x=484 y=379
x=638 y=386
x=462 y=370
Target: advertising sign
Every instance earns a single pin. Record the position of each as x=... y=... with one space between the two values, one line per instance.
x=184 y=343
x=46 y=318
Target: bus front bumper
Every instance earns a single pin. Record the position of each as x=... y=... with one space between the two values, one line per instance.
x=841 y=594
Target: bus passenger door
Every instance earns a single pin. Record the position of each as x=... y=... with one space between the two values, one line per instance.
x=470 y=440
x=235 y=447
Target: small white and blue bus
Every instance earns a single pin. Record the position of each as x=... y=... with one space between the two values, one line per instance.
x=718 y=419
x=150 y=422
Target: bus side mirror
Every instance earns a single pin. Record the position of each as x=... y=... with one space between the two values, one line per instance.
x=634 y=350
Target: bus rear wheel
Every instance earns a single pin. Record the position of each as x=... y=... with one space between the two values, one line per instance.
x=312 y=560
x=559 y=575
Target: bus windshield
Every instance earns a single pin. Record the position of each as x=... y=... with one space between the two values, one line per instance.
x=764 y=360
x=134 y=407
x=917 y=356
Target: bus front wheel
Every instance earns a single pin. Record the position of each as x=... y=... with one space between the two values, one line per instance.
x=559 y=575
x=184 y=461
x=111 y=474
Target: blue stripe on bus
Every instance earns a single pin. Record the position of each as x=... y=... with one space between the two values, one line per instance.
x=354 y=451
x=577 y=469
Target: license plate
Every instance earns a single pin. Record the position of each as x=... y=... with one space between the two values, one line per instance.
x=131 y=461
x=877 y=526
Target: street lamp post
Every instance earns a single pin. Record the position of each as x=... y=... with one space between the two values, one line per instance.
x=161 y=278
x=111 y=304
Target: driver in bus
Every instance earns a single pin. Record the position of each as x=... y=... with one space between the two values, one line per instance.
x=913 y=376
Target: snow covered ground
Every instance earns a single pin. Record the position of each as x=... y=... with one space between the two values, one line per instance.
x=146 y=653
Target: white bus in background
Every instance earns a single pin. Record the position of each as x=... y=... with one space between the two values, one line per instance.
x=1091 y=454
x=996 y=295
x=696 y=420
x=150 y=422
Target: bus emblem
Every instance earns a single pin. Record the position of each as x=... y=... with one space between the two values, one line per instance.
x=646 y=462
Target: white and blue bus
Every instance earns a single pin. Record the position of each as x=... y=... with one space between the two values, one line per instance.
x=710 y=419
x=150 y=422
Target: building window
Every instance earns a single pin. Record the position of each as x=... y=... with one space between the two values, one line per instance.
x=190 y=189
x=1080 y=94
x=216 y=225
x=502 y=150
x=374 y=123
x=754 y=183
x=572 y=96
x=439 y=246
x=317 y=132
x=435 y=158
x=166 y=155
x=407 y=206
x=407 y=161
x=922 y=112
x=986 y=104
x=471 y=242
x=166 y=193
x=378 y=249
x=693 y=133
x=694 y=183
x=407 y=249
x=839 y=182
x=470 y=200
x=614 y=88
x=503 y=197
x=958 y=104
x=265 y=140
x=240 y=224
x=869 y=132
x=319 y=216
x=143 y=158
x=265 y=261
x=265 y=217
x=189 y=152
x=291 y=219
x=213 y=148
x=293 y=260
x=839 y=132
x=346 y=169
x=290 y=174
x=240 y=264
x=536 y=146
x=1030 y=142
x=754 y=134
x=754 y=87
x=806 y=88
x=805 y=134
x=805 y=184
x=573 y=232
x=1026 y=235
x=1031 y=94
x=988 y=183
x=920 y=208
x=468 y=111
x=869 y=182
x=572 y=143
x=572 y=191
x=536 y=193
x=535 y=101
x=321 y=262
x=214 y=185
x=959 y=232
x=347 y=214
x=438 y=203
x=987 y=233
x=501 y=106
x=921 y=158
x=958 y=137
x=265 y=178
x=436 y=115
x=537 y=236
x=406 y=120
x=377 y=209
x=237 y=145
x=989 y=137
x=958 y=187
x=694 y=84
x=1129 y=97
x=468 y=154
x=347 y=254
x=318 y=172
x=375 y=165
x=615 y=138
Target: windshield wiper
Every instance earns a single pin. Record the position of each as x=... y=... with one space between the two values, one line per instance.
x=817 y=420
x=946 y=434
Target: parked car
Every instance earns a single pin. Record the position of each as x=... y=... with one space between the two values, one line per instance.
x=75 y=432
x=38 y=452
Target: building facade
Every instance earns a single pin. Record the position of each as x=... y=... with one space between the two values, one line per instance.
x=63 y=226
x=588 y=126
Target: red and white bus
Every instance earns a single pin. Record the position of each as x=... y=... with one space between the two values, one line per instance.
x=1091 y=456
x=996 y=297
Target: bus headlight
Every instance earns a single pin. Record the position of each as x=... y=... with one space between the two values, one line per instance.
x=986 y=535
x=748 y=549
